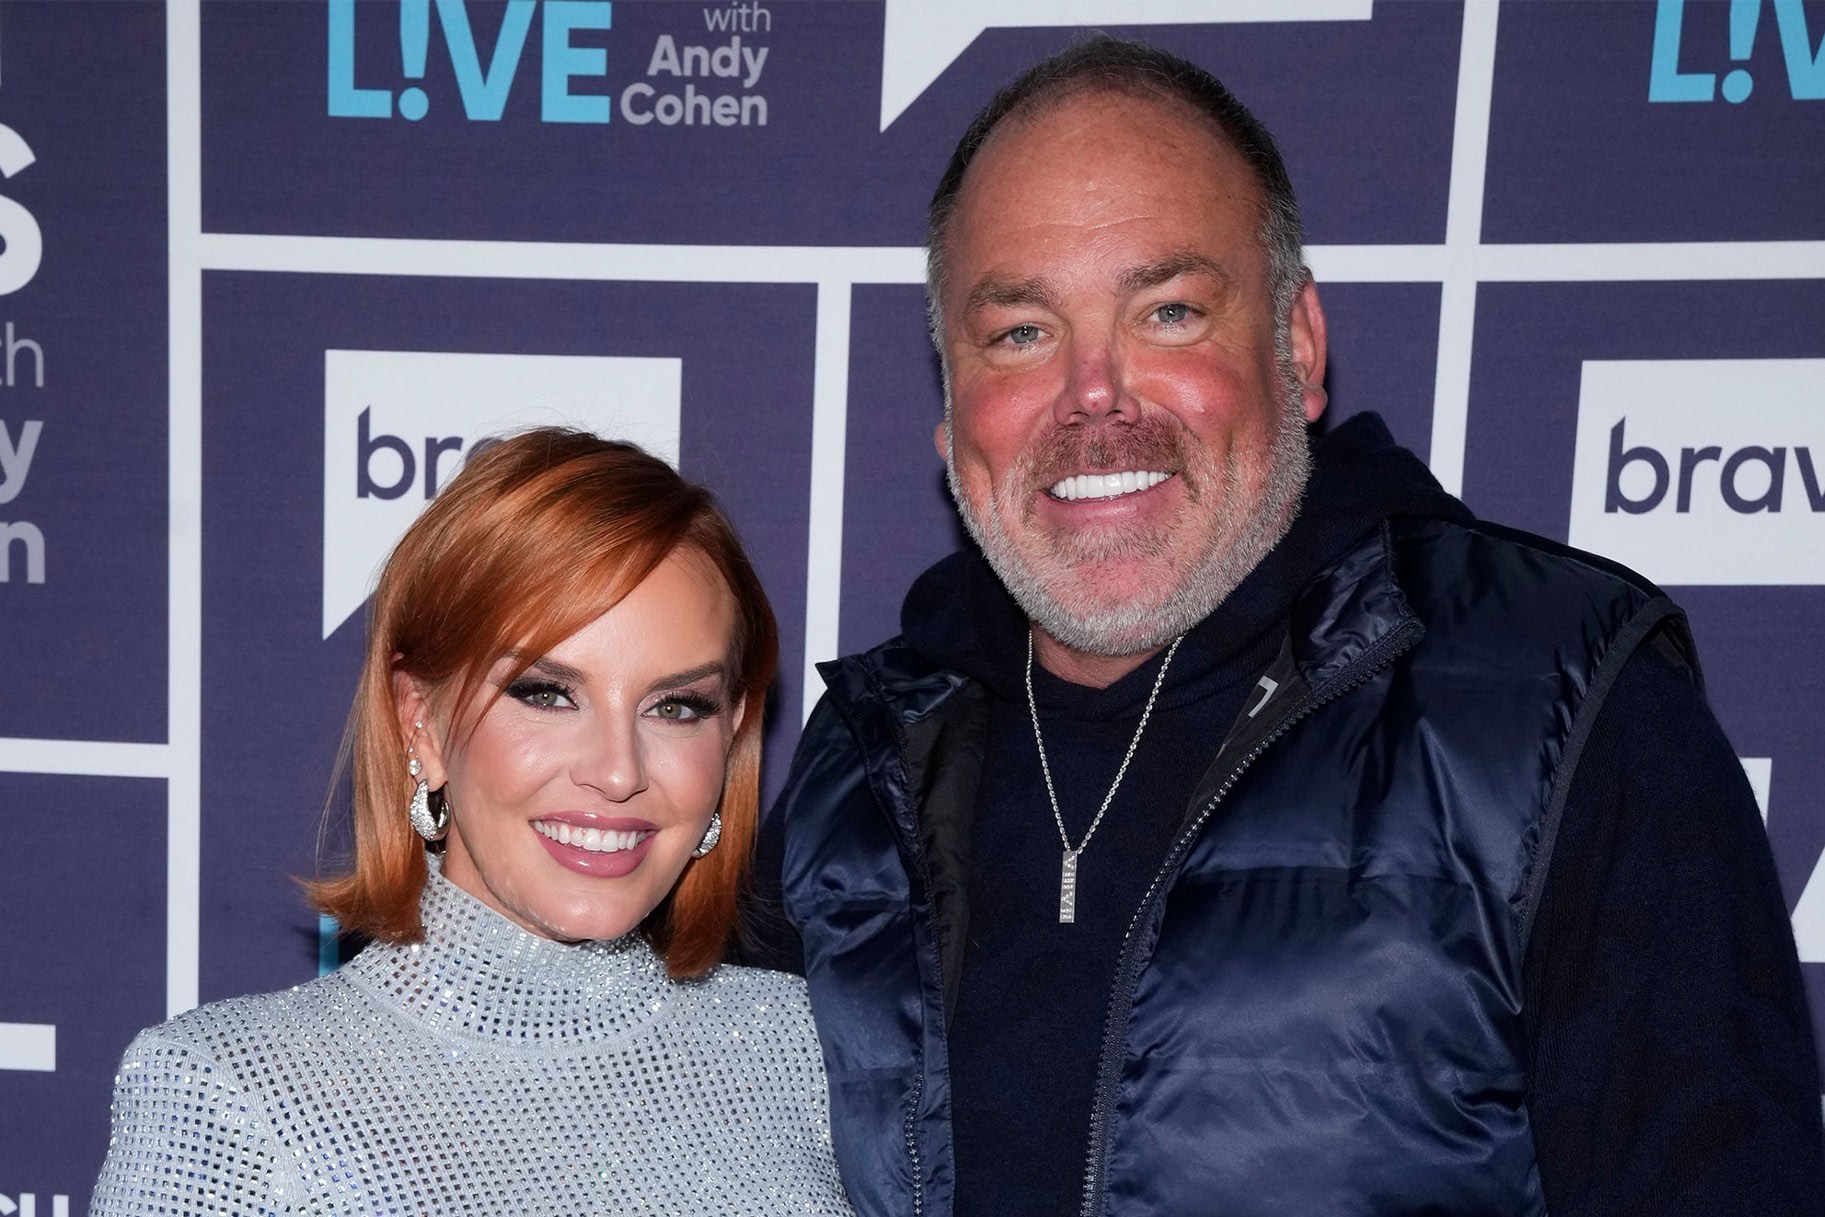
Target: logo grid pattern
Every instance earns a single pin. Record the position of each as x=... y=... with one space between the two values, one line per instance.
x=1472 y=296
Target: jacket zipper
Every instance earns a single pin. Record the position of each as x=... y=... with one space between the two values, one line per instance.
x=1127 y=976
x=912 y=1141
x=910 y=1129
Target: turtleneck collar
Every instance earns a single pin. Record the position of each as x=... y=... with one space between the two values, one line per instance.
x=480 y=977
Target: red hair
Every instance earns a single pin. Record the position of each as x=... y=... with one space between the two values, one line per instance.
x=538 y=536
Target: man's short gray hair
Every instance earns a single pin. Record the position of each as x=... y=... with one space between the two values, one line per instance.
x=1103 y=64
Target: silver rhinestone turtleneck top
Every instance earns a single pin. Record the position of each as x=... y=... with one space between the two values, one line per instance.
x=485 y=1070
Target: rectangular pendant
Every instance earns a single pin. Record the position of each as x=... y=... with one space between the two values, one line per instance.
x=1067 y=890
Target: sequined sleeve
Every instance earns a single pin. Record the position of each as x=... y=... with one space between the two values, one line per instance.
x=184 y=1139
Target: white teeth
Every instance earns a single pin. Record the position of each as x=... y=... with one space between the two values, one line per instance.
x=1105 y=485
x=595 y=840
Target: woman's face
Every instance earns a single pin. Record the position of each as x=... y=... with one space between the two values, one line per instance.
x=578 y=797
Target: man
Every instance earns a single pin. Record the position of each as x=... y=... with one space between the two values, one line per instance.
x=1247 y=828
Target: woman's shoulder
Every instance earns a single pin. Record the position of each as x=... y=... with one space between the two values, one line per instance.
x=733 y=982
x=209 y=1065
x=760 y=997
x=223 y=1030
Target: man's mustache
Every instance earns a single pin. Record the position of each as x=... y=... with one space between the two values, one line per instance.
x=1152 y=442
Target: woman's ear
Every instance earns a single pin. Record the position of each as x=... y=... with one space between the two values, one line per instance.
x=420 y=727
x=740 y=715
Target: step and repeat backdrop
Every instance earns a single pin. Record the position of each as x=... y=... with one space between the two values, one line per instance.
x=268 y=272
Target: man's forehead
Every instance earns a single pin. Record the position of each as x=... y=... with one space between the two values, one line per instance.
x=1152 y=119
x=1095 y=156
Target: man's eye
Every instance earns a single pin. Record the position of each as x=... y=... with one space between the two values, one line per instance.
x=1023 y=335
x=1175 y=313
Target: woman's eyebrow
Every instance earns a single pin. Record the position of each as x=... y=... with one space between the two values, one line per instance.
x=557 y=669
x=716 y=667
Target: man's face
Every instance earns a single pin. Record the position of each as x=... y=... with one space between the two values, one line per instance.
x=1123 y=440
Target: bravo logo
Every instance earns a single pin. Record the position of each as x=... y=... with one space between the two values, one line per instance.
x=1703 y=471
x=397 y=425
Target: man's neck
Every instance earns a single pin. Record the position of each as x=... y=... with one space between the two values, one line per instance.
x=1081 y=668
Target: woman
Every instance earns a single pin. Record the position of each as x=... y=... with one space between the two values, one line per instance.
x=561 y=696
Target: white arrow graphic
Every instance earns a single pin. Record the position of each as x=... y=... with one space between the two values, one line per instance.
x=29 y=1046
x=1760 y=772
x=1809 y=913
x=1809 y=917
x=923 y=37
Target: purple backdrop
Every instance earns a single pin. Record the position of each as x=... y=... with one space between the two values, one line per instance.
x=196 y=206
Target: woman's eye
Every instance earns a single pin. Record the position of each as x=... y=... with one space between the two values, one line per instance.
x=684 y=708
x=1175 y=313
x=541 y=694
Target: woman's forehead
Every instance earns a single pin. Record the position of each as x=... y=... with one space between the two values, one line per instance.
x=682 y=616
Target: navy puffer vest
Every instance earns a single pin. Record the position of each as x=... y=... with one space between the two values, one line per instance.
x=1318 y=1008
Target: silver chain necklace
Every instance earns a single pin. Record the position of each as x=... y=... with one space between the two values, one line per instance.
x=1067 y=884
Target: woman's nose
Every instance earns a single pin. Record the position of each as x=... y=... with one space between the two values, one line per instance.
x=612 y=763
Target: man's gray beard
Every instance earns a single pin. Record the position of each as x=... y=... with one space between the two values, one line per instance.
x=1236 y=547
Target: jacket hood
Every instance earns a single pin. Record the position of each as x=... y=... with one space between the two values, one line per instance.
x=959 y=615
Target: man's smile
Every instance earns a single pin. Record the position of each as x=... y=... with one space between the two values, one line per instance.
x=1105 y=485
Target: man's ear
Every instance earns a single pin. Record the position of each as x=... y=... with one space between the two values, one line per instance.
x=421 y=728
x=940 y=441
x=1306 y=337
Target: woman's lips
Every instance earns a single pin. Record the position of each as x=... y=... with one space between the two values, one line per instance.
x=593 y=845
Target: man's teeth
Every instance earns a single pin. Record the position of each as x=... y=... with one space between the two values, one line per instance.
x=595 y=840
x=1105 y=485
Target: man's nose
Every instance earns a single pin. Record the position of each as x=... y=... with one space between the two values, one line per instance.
x=1095 y=385
x=612 y=763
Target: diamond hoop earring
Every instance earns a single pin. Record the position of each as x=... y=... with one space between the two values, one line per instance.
x=429 y=824
x=711 y=835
